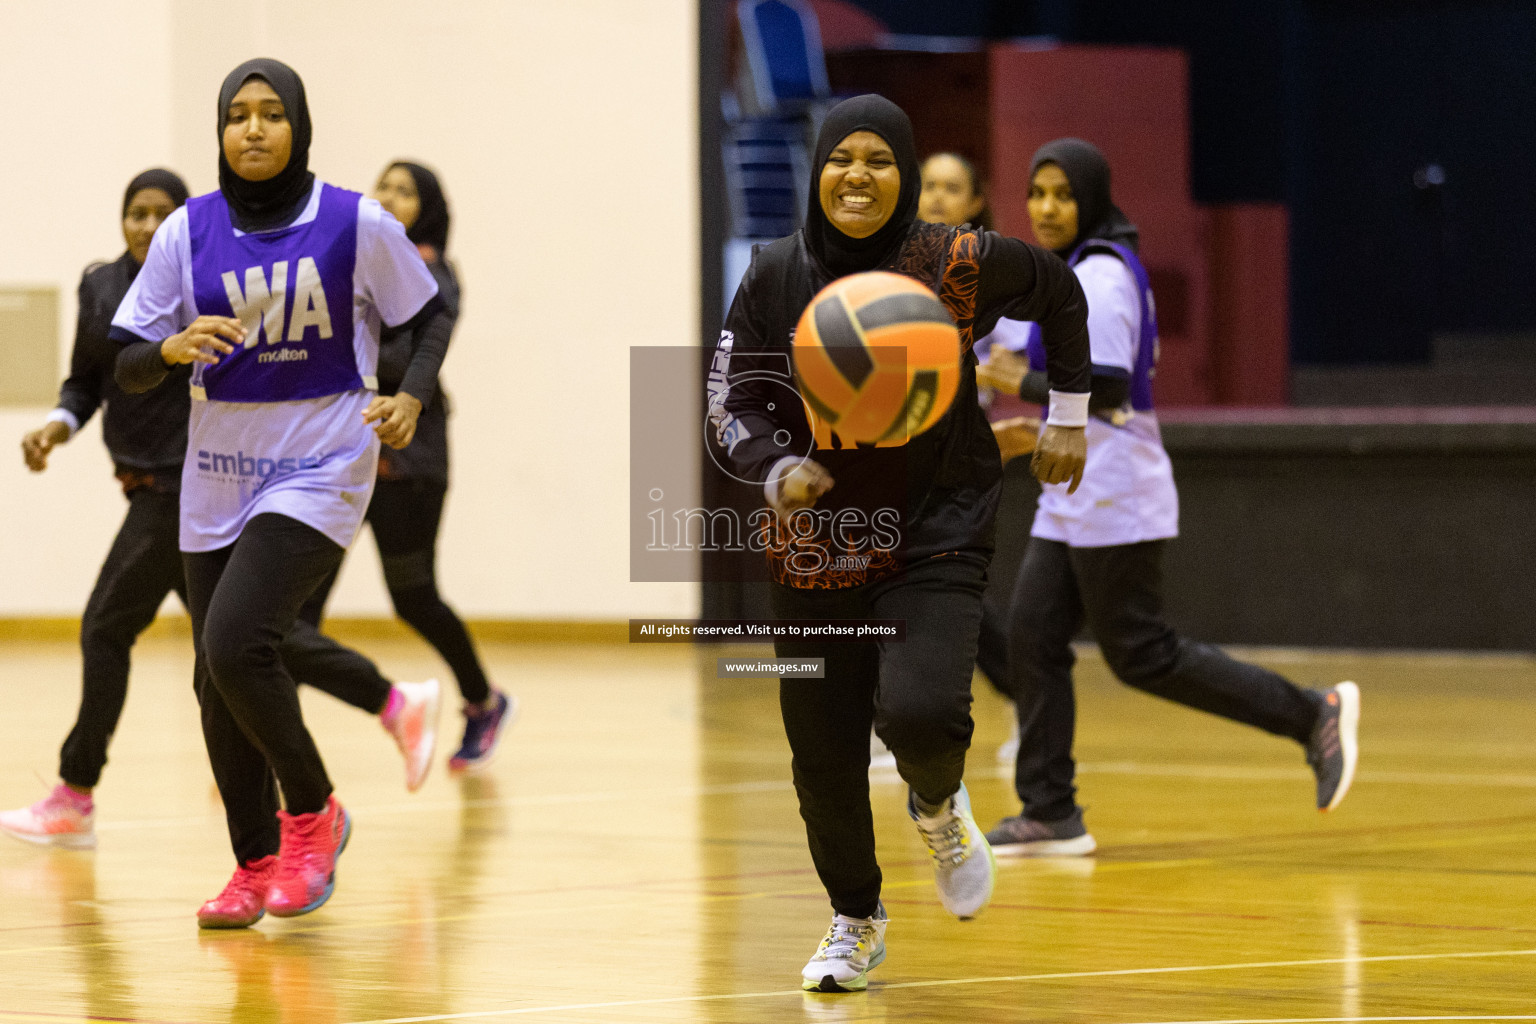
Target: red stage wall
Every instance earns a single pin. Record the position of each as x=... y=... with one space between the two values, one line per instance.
x=1132 y=103
x=1219 y=274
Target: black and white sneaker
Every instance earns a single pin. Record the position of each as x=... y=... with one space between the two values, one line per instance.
x=1025 y=837
x=1334 y=748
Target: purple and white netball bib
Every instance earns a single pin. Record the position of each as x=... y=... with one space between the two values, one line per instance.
x=291 y=288
x=1127 y=495
x=1144 y=365
x=277 y=425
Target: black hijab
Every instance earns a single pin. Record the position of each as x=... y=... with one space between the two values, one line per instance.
x=1088 y=173
x=431 y=227
x=166 y=181
x=841 y=253
x=258 y=205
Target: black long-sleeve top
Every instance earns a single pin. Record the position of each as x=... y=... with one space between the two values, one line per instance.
x=146 y=434
x=889 y=505
x=426 y=457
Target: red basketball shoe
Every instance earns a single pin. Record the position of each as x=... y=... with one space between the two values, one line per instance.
x=244 y=899
x=306 y=869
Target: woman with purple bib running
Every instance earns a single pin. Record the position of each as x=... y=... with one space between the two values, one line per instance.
x=1095 y=556
x=146 y=436
x=274 y=289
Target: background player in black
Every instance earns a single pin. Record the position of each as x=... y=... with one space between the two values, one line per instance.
x=146 y=438
x=407 y=505
x=146 y=435
x=953 y=193
x=944 y=484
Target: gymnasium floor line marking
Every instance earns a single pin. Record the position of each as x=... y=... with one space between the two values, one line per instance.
x=497 y=912
x=640 y=887
x=386 y=921
x=500 y=912
x=324 y=927
x=530 y=800
x=1506 y=780
x=1114 y=911
x=999 y=979
x=1341 y=1020
x=1362 y=867
x=762 y=786
x=1262 y=841
x=1396 y=842
x=656 y=888
x=1430 y=658
x=41 y=1015
x=1156 y=912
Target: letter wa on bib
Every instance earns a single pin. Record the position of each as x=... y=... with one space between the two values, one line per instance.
x=291 y=288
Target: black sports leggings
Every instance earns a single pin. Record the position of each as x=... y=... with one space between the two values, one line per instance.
x=405 y=515
x=244 y=601
x=1119 y=591
x=144 y=565
x=916 y=694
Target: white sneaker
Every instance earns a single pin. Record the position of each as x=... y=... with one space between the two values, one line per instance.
x=414 y=728
x=1008 y=753
x=963 y=866
x=880 y=755
x=52 y=821
x=852 y=948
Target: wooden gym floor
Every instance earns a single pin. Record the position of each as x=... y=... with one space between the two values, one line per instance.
x=635 y=855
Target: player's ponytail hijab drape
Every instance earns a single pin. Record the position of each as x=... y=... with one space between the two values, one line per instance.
x=258 y=205
x=1087 y=172
x=840 y=253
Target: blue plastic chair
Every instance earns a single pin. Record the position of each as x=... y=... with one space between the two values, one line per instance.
x=783 y=50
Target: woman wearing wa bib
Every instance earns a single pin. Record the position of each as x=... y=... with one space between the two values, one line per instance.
x=274 y=288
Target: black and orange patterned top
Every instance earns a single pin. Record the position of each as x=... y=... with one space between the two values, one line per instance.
x=889 y=506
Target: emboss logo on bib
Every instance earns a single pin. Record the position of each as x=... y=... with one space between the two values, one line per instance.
x=262 y=305
x=240 y=464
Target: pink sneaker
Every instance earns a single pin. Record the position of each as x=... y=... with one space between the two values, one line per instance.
x=411 y=718
x=306 y=866
x=62 y=818
x=244 y=899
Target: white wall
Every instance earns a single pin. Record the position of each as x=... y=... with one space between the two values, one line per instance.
x=565 y=134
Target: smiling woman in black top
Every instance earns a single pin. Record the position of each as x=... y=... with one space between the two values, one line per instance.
x=938 y=493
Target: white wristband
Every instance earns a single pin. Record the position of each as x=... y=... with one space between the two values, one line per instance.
x=775 y=475
x=65 y=417
x=1068 y=409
